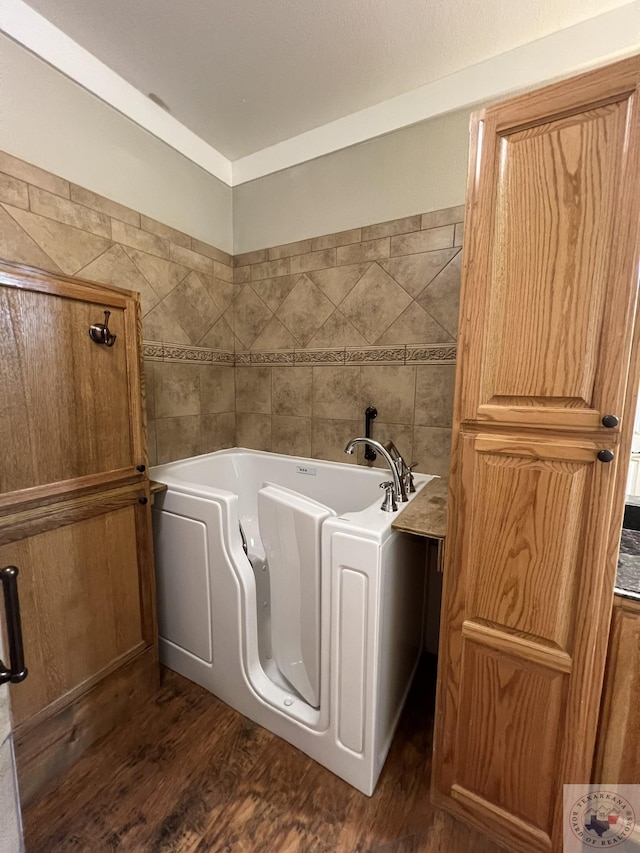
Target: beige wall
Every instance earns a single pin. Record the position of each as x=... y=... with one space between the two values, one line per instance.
x=419 y=168
x=50 y=121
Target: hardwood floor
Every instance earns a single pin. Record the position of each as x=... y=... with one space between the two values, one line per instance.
x=189 y=775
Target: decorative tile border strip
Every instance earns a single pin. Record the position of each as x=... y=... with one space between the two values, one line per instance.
x=375 y=355
x=319 y=356
x=431 y=354
x=152 y=350
x=278 y=357
x=190 y=354
x=411 y=354
x=156 y=351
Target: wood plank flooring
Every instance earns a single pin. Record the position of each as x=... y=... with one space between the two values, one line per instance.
x=189 y=775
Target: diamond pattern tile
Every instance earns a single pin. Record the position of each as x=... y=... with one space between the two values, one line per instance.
x=70 y=248
x=374 y=303
x=337 y=282
x=115 y=267
x=304 y=310
x=162 y=275
x=251 y=316
x=441 y=298
x=415 y=272
x=193 y=307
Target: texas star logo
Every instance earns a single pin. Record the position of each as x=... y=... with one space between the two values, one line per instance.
x=602 y=819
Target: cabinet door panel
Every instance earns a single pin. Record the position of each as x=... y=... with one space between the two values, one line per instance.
x=512 y=709
x=525 y=535
x=618 y=754
x=548 y=255
x=80 y=602
x=67 y=415
x=521 y=626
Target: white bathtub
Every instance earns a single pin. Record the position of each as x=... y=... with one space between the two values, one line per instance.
x=215 y=603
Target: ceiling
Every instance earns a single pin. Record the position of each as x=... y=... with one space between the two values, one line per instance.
x=244 y=75
x=258 y=86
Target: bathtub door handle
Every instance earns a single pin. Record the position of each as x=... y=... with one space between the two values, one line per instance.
x=18 y=671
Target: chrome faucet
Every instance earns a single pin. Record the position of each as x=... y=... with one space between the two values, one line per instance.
x=399 y=489
x=403 y=471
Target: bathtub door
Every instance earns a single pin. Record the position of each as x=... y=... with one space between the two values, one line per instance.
x=290 y=529
x=545 y=402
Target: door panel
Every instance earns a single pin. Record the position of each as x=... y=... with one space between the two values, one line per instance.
x=552 y=245
x=80 y=603
x=550 y=213
x=503 y=699
x=529 y=549
x=525 y=537
x=618 y=754
x=75 y=386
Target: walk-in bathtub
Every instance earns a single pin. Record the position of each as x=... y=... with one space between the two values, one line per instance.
x=315 y=638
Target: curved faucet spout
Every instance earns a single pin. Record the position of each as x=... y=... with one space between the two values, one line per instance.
x=382 y=450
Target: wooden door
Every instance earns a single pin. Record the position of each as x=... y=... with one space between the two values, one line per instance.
x=74 y=515
x=546 y=352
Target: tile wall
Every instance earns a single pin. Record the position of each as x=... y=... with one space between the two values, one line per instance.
x=279 y=349
x=330 y=325
x=185 y=287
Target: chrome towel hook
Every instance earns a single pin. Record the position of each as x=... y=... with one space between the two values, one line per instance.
x=99 y=332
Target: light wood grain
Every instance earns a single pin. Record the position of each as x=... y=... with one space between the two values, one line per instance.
x=547 y=347
x=550 y=226
x=517 y=644
x=618 y=753
x=526 y=536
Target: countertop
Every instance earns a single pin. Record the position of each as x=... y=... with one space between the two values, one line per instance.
x=426 y=515
x=628 y=575
x=156 y=487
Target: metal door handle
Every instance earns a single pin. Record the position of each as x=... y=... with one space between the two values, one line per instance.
x=18 y=671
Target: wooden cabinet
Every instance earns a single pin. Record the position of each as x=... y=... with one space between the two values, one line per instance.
x=546 y=350
x=618 y=752
x=74 y=515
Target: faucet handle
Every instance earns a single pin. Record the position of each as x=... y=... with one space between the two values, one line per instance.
x=409 y=469
x=389 y=503
x=392 y=449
